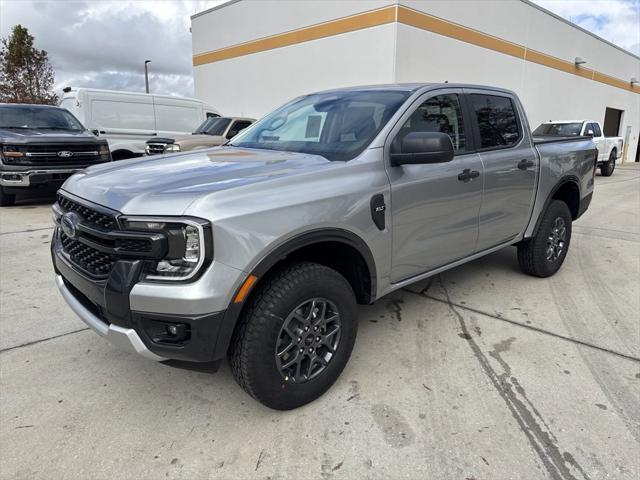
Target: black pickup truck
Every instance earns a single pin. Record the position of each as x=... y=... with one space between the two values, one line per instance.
x=41 y=146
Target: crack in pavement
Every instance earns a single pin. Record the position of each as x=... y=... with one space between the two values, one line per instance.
x=531 y=422
x=524 y=325
x=28 y=231
x=35 y=342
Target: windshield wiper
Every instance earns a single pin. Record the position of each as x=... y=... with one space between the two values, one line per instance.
x=14 y=126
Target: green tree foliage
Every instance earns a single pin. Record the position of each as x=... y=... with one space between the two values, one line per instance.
x=26 y=76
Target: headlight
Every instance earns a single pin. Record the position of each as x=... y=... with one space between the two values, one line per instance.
x=10 y=152
x=104 y=153
x=190 y=246
x=172 y=147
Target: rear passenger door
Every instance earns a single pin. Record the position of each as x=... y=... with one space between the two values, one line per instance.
x=510 y=165
x=434 y=207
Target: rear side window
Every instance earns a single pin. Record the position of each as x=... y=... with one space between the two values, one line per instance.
x=237 y=128
x=497 y=120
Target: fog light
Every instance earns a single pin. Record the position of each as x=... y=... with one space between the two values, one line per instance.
x=177 y=332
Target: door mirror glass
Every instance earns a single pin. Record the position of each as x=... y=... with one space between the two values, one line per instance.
x=422 y=147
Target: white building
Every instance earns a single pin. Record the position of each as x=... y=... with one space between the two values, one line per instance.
x=251 y=56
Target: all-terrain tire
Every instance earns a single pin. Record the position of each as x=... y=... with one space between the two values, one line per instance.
x=6 y=200
x=606 y=169
x=540 y=255
x=252 y=355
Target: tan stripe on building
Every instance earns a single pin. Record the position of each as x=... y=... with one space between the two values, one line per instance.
x=413 y=18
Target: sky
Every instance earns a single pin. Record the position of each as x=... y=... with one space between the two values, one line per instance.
x=104 y=43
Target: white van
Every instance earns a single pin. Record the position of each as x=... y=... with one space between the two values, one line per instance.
x=128 y=119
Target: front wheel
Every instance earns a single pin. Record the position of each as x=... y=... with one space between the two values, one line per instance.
x=543 y=255
x=606 y=170
x=6 y=200
x=295 y=336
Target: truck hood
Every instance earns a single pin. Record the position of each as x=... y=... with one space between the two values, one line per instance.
x=32 y=135
x=167 y=185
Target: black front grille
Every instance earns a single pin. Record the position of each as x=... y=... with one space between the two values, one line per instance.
x=155 y=148
x=89 y=259
x=89 y=215
x=134 y=245
x=81 y=154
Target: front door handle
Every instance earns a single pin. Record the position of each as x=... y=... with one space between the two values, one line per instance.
x=524 y=164
x=467 y=175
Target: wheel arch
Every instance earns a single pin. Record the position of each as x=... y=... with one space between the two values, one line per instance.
x=297 y=246
x=567 y=189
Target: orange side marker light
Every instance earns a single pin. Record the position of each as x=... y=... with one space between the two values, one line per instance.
x=245 y=289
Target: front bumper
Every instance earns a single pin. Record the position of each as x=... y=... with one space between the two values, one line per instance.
x=124 y=338
x=107 y=307
x=29 y=178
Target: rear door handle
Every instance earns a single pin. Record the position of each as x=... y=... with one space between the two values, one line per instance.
x=524 y=164
x=467 y=175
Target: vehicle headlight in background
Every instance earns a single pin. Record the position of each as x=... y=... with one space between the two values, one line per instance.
x=190 y=246
x=172 y=147
x=9 y=152
x=104 y=153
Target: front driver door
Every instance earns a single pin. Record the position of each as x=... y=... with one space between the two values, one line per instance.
x=434 y=207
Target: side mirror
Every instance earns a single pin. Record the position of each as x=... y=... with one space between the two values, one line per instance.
x=422 y=147
x=590 y=133
x=95 y=132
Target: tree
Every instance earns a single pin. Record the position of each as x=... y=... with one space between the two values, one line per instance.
x=26 y=76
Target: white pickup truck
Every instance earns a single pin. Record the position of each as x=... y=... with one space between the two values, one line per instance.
x=609 y=148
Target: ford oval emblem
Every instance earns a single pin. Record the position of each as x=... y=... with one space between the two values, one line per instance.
x=65 y=154
x=69 y=224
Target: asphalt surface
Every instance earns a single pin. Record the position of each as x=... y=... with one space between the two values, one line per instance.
x=479 y=373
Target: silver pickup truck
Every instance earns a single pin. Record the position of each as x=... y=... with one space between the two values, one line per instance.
x=260 y=250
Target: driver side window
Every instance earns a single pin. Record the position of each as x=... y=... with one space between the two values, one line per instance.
x=441 y=113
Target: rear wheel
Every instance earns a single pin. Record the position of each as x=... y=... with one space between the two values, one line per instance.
x=295 y=337
x=606 y=170
x=6 y=199
x=543 y=255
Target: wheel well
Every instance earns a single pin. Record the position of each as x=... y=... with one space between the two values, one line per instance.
x=569 y=193
x=344 y=259
x=122 y=154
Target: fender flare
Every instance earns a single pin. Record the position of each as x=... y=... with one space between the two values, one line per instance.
x=317 y=236
x=559 y=184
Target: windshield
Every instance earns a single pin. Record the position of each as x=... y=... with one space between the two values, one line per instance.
x=337 y=126
x=213 y=126
x=559 y=129
x=38 y=118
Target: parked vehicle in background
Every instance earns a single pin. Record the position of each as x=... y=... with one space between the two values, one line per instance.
x=213 y=132
x=128 y=119
x=610 y=149
x=41 y=146
x=260 y=250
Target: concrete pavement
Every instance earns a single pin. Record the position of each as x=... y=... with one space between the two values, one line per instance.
x=478 y=373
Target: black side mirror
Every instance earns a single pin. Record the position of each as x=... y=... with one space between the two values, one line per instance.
x=95 y=132
x=422 y=147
